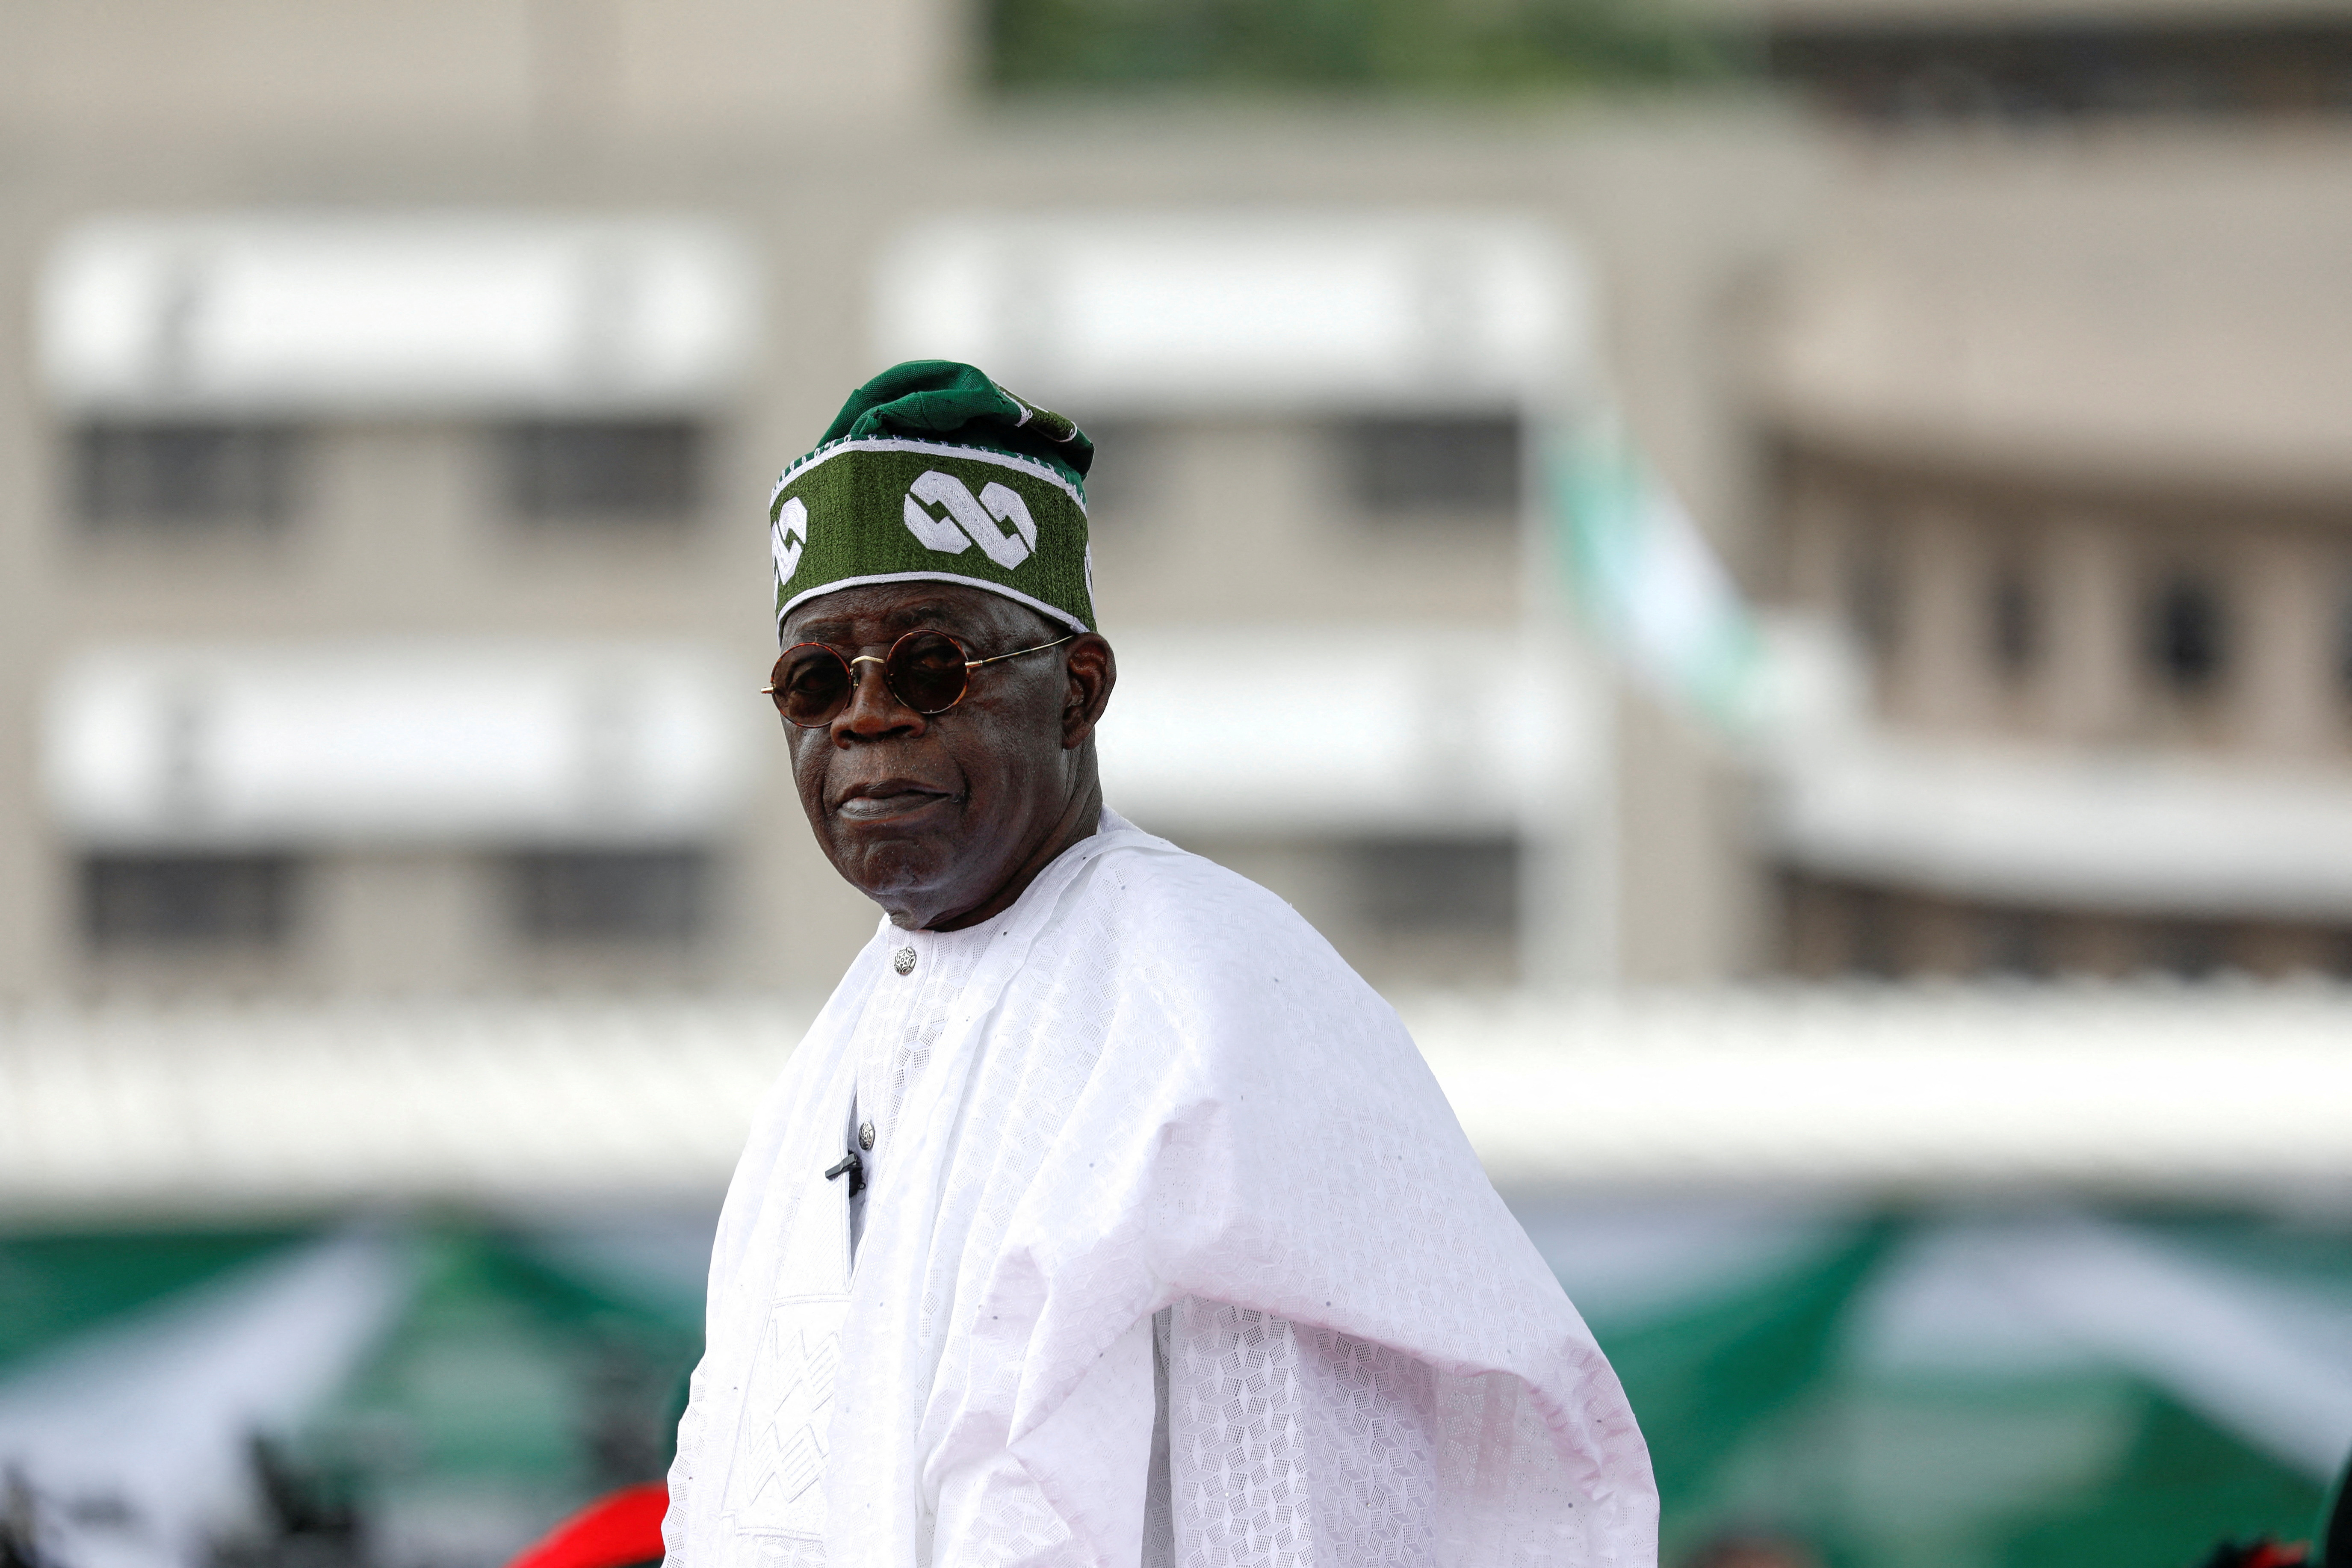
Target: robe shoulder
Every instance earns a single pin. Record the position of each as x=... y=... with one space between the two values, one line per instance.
x=1206 y=935
x=1221 y=994
x=1248 y=1122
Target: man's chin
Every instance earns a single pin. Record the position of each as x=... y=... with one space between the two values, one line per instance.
x=920 y=881
x=894 y=869
x=922 y=830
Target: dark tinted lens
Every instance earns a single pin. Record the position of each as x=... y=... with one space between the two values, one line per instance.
x=810 y=683
x=926 y=671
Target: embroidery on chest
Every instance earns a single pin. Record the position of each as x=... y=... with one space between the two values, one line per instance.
x=773 y=1493
x=788 y=1416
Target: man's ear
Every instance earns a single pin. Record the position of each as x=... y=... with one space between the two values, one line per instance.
x=1092 y=671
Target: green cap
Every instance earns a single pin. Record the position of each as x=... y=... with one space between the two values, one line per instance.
x=932 y=472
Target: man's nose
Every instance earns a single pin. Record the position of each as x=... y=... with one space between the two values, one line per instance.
x=874 y=709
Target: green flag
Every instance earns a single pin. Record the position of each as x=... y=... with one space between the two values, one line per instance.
x=1648 y=582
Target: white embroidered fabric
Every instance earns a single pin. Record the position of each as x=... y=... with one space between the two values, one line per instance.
x=1175 y=1255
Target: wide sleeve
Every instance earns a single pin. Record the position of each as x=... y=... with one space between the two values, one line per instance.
x=1367 y=1362
x=1069 y=1493
x=1291 y=1444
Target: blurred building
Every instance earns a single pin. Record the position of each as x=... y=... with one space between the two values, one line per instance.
x=389 y=407
x=381 y=393
x=2055 y=405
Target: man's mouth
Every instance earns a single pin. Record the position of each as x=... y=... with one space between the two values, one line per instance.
x=888 y=798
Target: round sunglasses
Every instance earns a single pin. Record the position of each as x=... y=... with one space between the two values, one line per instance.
x=927 y=671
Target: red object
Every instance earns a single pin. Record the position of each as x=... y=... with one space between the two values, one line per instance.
x=617 y=1531
x=2260 y=1552
x=2272 y=1554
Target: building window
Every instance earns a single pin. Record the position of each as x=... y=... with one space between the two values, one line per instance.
x=186 y=900
x=2082 y=66
x=1874 y=598
x=2188 y=635
x=2344 y=648
x=1874 y=935
x=177 y=474
x=2014 y=622
x=1460 y=464
x=622 y=470
x=645 y=896
x=1425 y=885
x=2016 y=944
x=2188 y=949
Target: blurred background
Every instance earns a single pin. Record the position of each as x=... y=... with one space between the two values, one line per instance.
x=1778 y=574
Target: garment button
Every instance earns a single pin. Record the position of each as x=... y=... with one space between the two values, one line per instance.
x=903 y=960
x=866 y=1136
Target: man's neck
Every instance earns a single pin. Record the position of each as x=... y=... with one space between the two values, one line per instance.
x=1077 y=823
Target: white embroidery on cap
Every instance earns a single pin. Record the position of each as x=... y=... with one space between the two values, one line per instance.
x=787 y=535
x=970 y=519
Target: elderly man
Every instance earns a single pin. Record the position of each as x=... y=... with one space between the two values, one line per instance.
x=1104 y=1216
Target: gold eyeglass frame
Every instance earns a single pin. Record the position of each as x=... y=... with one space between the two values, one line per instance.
x=849 y=694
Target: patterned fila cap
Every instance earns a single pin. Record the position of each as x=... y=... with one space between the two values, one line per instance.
x=932 y=472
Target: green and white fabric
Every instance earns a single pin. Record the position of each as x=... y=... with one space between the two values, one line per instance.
x=456 y=1382
x=1972 y=1386
x=932 y=472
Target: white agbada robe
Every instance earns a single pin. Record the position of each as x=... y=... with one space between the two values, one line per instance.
x=1173 y=1253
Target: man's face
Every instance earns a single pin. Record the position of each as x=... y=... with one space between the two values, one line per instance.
x=931 y=816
